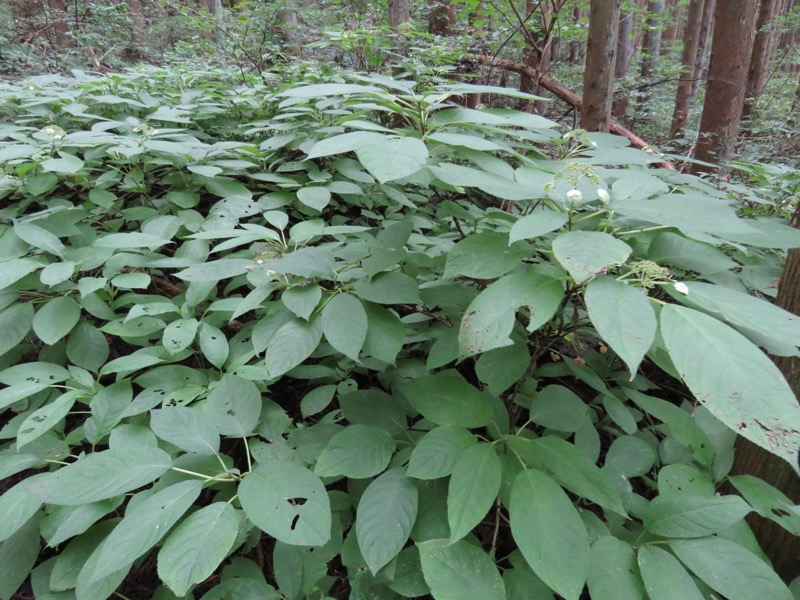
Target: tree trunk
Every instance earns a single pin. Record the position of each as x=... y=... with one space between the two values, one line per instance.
x=537 y=56
x=441 y=17
x=673 y=17
x=760 y=57
x=702 y=44
x=651 y=45
x=58 y=20
x=625 y=48
x=398 y=15
x=731 y=46
x=576 y=48
x=215 y=10
x=683 y=94
x=598 y=76
x=137 y=24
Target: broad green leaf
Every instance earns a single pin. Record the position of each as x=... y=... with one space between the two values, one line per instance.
x=302 y=299
x=344 y=323
x=87 y=347
x=18 y=505
x=571 y=467
x=497 y=185
x=460 y=571
x=288 y=502
x=68 y=164
x=490 y=318
x=102 y=475
x=179 y=335
x=317 y=400
x=358 y=452
x=130 y=240
x=13 y=270
x=340 y=144
x=197 y=546
x=686 y=515
x=391 y=158
x=45 y=418
x=585 y=254
x=213 y=344
x=473 y=489
x=484 y=255
x=446 y=398
x=731 y=377
x=673 y=249
x=39 y=238
x=549 y=532
x=613 y=572
x=623 y=317
x=143 y=527
x=502 y=368
x=291 y=345
x=389 y=288
x=664 y=577
x=730 y=570
x=234 y=406
x=215 y=270
x=18 y=554
x=108 y=408
x=15 y=323
x=325 y=90
x=768 y=501
x=559 y=408
x=64 y=522
x=384 y=518
x=186 y=427
x=56 y=319
x=536 y=224
x=15 y=393
x=385 y=334
x=437 y=452
x=316 y=197
x=56 y=273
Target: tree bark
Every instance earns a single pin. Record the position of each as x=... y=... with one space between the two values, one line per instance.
x=58 y=20
x=651 y=46
x=399 y=14
x=673 y=17
x=576 y=48
x=598 y=76
x=536 y=56
x=625 y=48
x=683 y=94
x=731 y=46
x=761 y=55
x=137 y=24
x=700 y=62
x=441 y=17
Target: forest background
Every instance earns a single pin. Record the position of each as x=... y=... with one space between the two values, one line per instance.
x=259 y=124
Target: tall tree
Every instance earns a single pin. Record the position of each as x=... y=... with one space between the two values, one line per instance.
x=598 y=76
x=441 y=17
x=651 y=46
x=538 y=46
x=731 y=46
x=58 y=21
x=683 y=94
x=576 y=47
x=761 y=55
x=702 y=44
x=622 y=61
x=399 y=14
x=673 y=17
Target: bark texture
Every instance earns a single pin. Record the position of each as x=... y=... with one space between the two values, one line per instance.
x=684 y=92
x=441 y=17
x=761 y=55
x=700 y=61
x=598 y=76
x=622 y=62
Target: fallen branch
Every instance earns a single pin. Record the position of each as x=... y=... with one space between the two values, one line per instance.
x=566 y=95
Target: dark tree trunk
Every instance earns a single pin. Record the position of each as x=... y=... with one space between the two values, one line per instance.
x=760 y=57
x=683 y=95
x=598 y=76
x=441 y=17
x=625 y=48
x=702 y=45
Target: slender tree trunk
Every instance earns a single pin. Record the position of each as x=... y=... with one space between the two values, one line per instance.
x=576 y=48
x=58 y=19
x=674 y=17
x=760 y=57
x=399 y=14
x=702 y=44
x=137 y=24
x=683 y=94
x=625 y=48
x=651 y=46
x=598 y=76
x=537 y=55
x=727 y=73
x=441 y=17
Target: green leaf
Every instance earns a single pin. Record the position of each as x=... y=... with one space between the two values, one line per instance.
x=215 y=270
x=68 y=164
x=179 y=335
x=18 y=505
x=664 y=577
x=213 y=344
x=186 y=427
x=344 y=323
x=731 y=377
x=473 y=489
x=234 y=406
x=687 y=515
x=17 y=556
x=460 y=571
x=549 y=532
x=291 y=345
x=87 y=347
x=446 y=398
x=490 y=317
x=389 y=288
x=56 y=319
x=13 y=270
x=317 y=400
x=102 y=475
x=384 y=518
x=391 y=158
x=45 y=418
x=536 y=224
x=613 y=572
x=501 y=368
x=302 y=299
x=769 y=502
x=673 y=249
x=484 y=255
x=56 y=273
x=198 y=545
x=585 y=254
x=730 y=570
x=288 y=502
x=340 y=144
x=15 y=323
x=437 y=452
x=130 y=240
x=316 y=197
x=559 y=408
x=142 y=528
x=460 y=176
x=358 y=452
x=39 y=238
x=623 y=317
x=108 y=408
x=385 y=334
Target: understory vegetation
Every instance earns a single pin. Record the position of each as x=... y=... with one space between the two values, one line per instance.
x=326 y=334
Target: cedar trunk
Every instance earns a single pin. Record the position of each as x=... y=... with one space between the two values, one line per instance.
x=58 y=19
x=441 y=17
x=683 y=95
x=700 y=62
x=731 y=46
x=398 y=14
x=598 y=77
x=760 y=57
x=625 y=48
x=651 y=44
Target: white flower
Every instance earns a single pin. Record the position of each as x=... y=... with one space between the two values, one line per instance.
x=682 y=288
x=594 y=144
x=574 y=195
x=603 y=195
